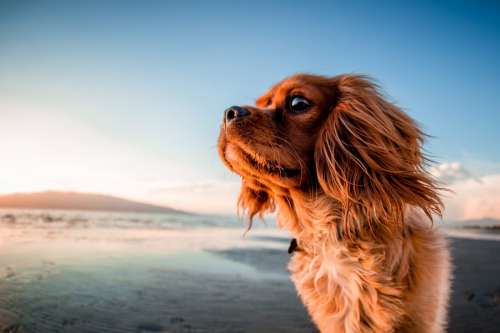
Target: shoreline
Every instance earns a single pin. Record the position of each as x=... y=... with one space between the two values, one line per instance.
x=204 y=280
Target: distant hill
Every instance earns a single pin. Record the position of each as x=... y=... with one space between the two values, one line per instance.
x=78 y=201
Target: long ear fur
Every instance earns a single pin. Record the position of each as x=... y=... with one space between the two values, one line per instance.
x=368 y=156
x=254 y=200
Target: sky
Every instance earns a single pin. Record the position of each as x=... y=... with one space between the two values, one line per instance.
x=126 y=98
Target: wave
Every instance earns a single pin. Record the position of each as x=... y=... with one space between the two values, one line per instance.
x=18 y=218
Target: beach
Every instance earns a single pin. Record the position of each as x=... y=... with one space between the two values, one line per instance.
x=62 y=276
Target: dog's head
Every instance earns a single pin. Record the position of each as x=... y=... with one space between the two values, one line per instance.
x=336 y=136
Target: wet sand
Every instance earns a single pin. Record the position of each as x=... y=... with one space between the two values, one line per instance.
x=146 y=281
x=208 y=280
x=475 y=298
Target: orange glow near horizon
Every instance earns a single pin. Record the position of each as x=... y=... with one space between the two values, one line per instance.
x=45 y=150
x=49 y=151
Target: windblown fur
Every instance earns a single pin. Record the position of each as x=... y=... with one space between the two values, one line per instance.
x=348 y=180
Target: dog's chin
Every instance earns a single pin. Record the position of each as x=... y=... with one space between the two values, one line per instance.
x=251 y=164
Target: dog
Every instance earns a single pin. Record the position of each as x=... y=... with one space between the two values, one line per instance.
x=345 y=171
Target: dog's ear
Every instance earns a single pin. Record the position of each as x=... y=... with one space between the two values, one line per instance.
x=254 y=200
x=368 y=157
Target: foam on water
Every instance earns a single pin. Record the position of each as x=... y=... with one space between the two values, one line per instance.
x=94 y=219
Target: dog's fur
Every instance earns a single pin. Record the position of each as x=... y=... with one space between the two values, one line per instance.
x=347 y=176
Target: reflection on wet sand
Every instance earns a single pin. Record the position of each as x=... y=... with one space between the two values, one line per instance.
x=107 y=279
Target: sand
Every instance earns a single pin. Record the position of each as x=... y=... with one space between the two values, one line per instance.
x=475 y=298
x=206 y=280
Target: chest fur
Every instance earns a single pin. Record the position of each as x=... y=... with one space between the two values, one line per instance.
x=345 y=290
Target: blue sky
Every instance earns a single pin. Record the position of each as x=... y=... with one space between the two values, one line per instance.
x=134 y=91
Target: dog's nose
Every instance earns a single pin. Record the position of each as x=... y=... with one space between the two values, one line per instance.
x=235 y=112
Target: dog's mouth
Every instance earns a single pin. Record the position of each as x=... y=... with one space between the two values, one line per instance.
x=234 y=155
x=271 y=167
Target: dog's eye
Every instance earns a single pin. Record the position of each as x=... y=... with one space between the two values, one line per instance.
x=298 y=104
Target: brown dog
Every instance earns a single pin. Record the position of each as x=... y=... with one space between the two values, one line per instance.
x=344 y=168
